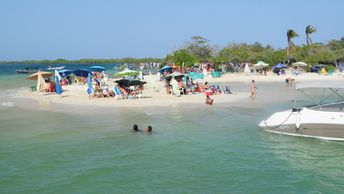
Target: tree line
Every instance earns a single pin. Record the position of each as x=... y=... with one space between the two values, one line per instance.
x=198 y=50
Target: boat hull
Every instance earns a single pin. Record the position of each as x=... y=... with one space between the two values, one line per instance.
x=307 y=123
x=26 y=71
x=56 y=68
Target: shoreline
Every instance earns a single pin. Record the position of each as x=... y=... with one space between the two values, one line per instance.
x=76 y=95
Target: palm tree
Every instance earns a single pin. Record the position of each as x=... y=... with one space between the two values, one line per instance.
x=290 y=35
x=309 y=30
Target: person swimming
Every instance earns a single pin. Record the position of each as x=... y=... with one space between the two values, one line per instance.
x=136 y=128
x=148 y=129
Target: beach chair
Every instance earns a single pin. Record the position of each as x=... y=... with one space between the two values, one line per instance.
x=117 y=92
x=218 y=88
x=33 y=88
x=227 y=90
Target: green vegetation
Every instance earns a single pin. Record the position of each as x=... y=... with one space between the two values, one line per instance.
x=199 y=50
x=309 y=30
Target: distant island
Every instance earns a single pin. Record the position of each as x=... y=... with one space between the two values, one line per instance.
x=86 y=61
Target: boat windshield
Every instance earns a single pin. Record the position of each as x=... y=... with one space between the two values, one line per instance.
x=334 y=107
x=320 y=97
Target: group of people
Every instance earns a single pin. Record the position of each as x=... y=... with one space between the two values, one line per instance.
x=147 y=130
x=49 y=86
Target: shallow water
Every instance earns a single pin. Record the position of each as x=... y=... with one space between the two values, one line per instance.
x=217 y=149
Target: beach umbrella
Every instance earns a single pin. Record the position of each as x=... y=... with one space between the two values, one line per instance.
x=279 y=66
x=129 y=82
x=89 y=84
x=58 y=86
x=64 y=72
x=261 y=64
x=81 y=72
x=165 y=68
x=175 y=74
x=44 y=74
x=195 y=75
x=97 y=68
x=300 y=64
x=126 y=72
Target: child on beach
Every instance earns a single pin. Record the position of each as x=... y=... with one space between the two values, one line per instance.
x=208 y=100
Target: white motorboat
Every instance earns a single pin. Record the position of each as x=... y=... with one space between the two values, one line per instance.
x=325 y=120
x=56 y=68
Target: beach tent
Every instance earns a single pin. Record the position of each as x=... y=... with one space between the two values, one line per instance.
x=300 y=64
x=43 y=74
x=81 y=72
x=97 y=68
x=39 y=76
x=261 y=64
x=126 y=72
x=247 y=69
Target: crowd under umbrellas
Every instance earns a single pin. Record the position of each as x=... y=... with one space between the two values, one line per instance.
x=177 y=83
x=94 y=77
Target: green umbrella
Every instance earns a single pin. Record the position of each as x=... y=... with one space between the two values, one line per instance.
x=126 y=72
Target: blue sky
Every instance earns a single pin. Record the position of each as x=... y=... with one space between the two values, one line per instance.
x=74 y=29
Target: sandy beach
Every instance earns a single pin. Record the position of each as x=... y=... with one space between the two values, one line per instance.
x=77 y=95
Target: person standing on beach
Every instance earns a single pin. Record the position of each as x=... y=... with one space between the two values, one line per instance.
x=208 y=100
x=289 y=81
x=253 y=90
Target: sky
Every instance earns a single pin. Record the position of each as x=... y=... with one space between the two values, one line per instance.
x=104 y=29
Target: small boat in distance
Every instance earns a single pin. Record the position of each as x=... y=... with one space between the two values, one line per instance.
x=27 y=70
x=324 y=120
x=55 y=68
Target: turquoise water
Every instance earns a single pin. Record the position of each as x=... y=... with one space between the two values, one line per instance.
x=204 y=151
x=217 y=149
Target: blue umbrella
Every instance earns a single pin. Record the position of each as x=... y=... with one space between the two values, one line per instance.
x=320 y=65
x=81 y=72
x=195 y=75
x=279 y=66
x=89 y=84
x=64 y=72
x=58 y=86
x=340 y=67
x=97 y=68
x=165 y=68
